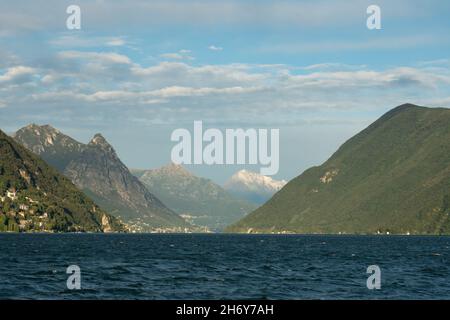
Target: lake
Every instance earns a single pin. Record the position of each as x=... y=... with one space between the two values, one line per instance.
x=223 y=266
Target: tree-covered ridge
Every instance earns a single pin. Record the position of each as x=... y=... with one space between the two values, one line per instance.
x=35 y=197
x=393 y=177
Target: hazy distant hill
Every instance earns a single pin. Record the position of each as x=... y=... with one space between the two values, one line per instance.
x=97 y=170
x=252 y=186
x=36 y=197
x=198 y=199
x=394 y=177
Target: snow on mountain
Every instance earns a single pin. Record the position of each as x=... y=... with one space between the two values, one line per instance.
x=253 y=186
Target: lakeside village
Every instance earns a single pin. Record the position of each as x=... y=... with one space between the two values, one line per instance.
x=19 y=212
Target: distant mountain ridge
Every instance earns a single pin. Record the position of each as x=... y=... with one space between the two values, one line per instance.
x=392 y=177
x=96 y=169
x=198 y=199
x=253 y=186
x=36 y=197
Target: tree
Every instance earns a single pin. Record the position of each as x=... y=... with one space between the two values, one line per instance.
x=3 y=223
x=3 y=187
x=12 y=226
x=446 y=203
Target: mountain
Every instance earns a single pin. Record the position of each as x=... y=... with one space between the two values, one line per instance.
x=50 y=144
x=394 y=177
x=36 y=197
x=253 y=186
x=197 y=199
x=97 y=170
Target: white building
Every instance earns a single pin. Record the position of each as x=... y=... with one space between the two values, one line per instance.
x=11 y=194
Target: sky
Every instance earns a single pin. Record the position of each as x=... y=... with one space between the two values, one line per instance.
x=137 y=70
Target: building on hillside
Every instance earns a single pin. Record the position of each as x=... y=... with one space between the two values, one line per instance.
x=12 y=194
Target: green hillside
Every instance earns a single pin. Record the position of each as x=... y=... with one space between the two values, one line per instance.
x=35 y=197
x=394 y=177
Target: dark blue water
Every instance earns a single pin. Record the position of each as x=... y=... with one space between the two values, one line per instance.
x=33 y=266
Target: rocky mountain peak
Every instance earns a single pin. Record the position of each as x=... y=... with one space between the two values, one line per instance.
x=52 y=145
x=99 y=141
x=177 y=168
x=170 y=169
x=32 y=126
x=38 y=130
x=49 y=128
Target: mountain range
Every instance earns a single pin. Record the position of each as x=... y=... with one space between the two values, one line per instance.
x=36 y=197
x=197 y=199
x=392 y=177
x=96 y=169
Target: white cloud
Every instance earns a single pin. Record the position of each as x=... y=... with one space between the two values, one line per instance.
x=18 y=74
x=183 y=74
x=48 y=79
x=214 y=48
x=183 y=54
x=115 y=42
x=153 y=96
x=333 y=66
x=434 y=63
x=108 y=57
x=175 y=56
x=87 y=41
x=176 y=91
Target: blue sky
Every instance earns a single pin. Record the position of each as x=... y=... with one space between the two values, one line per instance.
x=139 y=69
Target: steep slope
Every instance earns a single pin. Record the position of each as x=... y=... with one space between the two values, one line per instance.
x=56 y=148
x=252 y=186
x=97 y=170
x=394 y=177
x=35 y=197
x=199 y=200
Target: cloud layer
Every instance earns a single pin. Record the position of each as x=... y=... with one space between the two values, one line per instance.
x=109 y=85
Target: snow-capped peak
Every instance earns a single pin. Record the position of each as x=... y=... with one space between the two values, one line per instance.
x=252 y=181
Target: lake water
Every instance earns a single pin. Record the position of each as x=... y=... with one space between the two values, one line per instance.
x=220 y=266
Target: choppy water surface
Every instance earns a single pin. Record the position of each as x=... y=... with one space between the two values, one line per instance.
x=121 y=266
